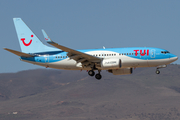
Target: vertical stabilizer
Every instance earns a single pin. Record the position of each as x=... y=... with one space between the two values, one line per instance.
x=28 y=41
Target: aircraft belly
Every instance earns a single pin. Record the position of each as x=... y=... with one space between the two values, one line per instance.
x=154 y=63
x=64 y=64
x=133 y=62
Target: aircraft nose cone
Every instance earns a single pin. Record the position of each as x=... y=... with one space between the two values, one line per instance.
x=174 y=58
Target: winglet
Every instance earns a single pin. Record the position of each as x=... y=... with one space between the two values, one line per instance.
x=46 y=37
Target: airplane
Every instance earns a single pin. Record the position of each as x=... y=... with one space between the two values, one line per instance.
x=118 y=61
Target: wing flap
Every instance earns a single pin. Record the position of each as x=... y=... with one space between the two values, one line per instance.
x=18 y=53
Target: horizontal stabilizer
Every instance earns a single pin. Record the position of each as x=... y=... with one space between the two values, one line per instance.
x=18 y=53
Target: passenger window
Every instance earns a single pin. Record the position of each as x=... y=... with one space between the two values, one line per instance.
x=129 y=53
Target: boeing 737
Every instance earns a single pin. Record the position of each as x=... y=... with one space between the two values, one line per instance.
x=118 y=61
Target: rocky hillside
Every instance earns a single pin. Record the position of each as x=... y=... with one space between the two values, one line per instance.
x=46 y=94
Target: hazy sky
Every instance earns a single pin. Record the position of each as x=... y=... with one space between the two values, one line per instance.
x=84 y=24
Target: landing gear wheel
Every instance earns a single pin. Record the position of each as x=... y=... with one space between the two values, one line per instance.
x=91 y=72
x=98 y=76
x=157 y=72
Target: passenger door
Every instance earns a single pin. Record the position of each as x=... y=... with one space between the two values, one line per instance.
x=152 y=53
x=46 y=59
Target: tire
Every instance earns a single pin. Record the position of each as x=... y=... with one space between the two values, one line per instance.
x=91 y=72
x=157 y=72
x=98 y=76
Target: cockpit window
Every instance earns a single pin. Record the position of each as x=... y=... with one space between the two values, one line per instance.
x=164 y=52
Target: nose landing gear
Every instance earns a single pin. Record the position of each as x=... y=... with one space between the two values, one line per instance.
x=158 y=67
x=157 y=71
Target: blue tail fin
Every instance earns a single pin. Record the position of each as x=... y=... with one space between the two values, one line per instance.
x=28 y=41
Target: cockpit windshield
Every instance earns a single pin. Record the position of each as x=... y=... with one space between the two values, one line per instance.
x=165 y=52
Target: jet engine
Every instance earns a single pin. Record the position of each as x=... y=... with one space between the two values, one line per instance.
x=111 y=64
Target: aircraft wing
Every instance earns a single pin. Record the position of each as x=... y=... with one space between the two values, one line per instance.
x=73 y=54
x=18 y=53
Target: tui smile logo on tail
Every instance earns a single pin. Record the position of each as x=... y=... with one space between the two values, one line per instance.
x=47 y=38
x=27 y=44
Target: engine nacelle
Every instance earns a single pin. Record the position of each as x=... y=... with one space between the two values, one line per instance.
x=111 y=64
x=124 y=71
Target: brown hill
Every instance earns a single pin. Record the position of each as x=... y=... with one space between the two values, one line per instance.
x=66 y=95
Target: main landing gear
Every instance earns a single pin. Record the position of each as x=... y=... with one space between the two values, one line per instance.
x=97 y=76
x=91 y=72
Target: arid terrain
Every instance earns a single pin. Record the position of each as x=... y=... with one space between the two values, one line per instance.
x=47 y=94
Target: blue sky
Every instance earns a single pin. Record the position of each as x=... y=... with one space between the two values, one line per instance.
x=86 y=24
